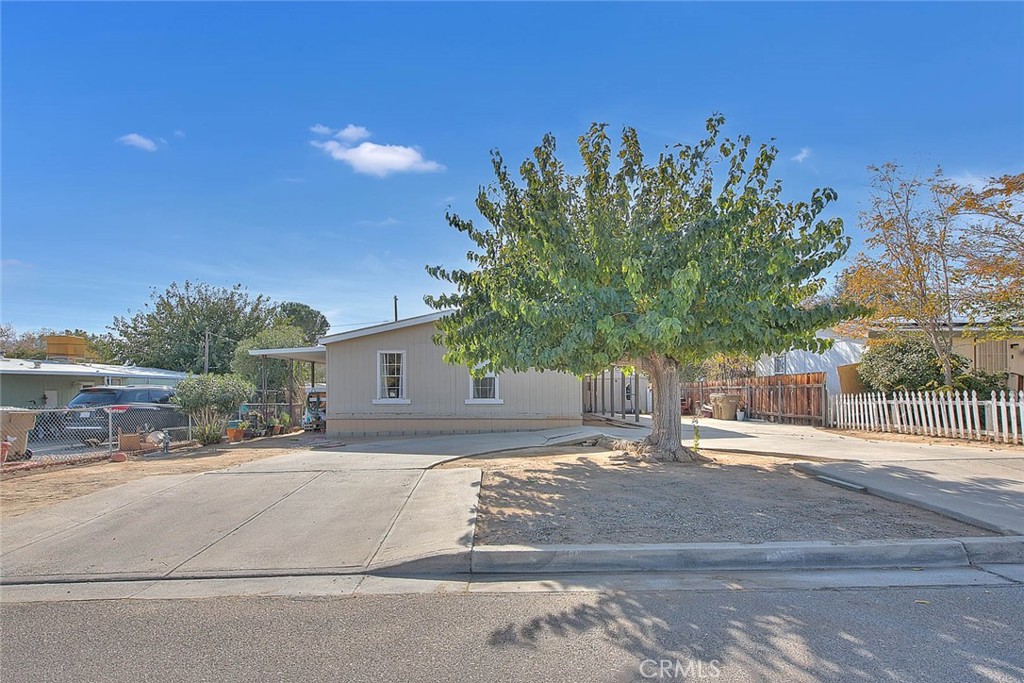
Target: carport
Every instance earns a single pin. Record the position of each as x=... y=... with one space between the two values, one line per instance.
x=302 y=354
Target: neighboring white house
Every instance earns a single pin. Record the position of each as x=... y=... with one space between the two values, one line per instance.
x=844 y=351
x=392 y=379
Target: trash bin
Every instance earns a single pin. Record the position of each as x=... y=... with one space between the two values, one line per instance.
x=15 y=424
x=724 y=406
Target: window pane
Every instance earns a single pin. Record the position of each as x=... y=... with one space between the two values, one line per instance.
x=484 y=387
x=391 y=376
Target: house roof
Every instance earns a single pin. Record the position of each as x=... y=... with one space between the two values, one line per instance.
x=19 y=366
x=957 y=326
x=385 y=327
x=306 y=354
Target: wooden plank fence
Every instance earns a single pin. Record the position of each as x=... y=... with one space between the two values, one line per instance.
x=798 y=398
x=951 y=414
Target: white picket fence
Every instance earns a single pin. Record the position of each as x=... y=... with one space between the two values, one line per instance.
x=952 y=414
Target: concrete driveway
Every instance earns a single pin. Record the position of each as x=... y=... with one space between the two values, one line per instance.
x=348 y=509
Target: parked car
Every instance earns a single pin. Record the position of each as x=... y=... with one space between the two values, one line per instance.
x=137 y=409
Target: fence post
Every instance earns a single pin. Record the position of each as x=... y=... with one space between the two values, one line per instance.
x=190 y=424
x=825 y=421
x=110 y=432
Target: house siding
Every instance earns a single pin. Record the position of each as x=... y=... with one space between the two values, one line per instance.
x=843 y=352
x=437 y=391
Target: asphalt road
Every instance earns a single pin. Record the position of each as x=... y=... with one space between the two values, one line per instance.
x=919 y=634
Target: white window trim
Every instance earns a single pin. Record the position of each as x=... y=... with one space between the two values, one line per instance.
x=496 y=401
x=404 y=400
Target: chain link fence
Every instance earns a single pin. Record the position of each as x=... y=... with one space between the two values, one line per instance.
x=72 y=434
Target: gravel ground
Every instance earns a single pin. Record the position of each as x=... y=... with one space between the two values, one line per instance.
x=588 y=495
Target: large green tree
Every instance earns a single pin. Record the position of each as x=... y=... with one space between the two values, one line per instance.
x=312 y=322
x=657 y=265
x=171 y=330
x=31 y=344
x=280 y=374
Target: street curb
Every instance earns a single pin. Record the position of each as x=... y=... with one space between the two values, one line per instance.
x=730 y=556
x=994 y=549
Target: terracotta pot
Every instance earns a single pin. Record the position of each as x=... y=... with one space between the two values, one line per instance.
x=236 y=434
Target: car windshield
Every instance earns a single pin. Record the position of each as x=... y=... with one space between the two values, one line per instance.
x=94 y=398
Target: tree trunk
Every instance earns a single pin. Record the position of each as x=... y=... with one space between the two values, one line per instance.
x=943 y=346
x=666 y=431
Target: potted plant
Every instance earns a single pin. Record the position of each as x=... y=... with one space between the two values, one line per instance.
x=286 y=422
x=273 y=426
x=236 y=432
x=741 y=412
x=241 y=431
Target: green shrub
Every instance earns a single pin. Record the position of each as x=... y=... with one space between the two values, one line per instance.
x=210 y=400
x=207 y=434
x=909 y=363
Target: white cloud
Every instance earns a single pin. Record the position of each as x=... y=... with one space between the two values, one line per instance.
x=136 y=140
x=802 y=156
x=379 y=160
x=972 y=180
x=179 y=133
x=352 y=133
x=386 y=223
x=321 y=129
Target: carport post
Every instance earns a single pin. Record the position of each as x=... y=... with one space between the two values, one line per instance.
x=636 y=398
x=623 y=394
x=291 y=390
x=602 y=391
x=611 y=392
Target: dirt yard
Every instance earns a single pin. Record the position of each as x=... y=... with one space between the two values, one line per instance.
x=28 y=490
x=921 y=439
x=590 y=495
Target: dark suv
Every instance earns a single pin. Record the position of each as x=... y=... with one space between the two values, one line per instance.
x=134 y=409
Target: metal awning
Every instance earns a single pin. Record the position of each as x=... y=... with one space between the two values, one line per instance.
x=306 y=354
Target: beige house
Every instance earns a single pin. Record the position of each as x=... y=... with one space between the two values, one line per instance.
x=392 y=379
x=1000 y=357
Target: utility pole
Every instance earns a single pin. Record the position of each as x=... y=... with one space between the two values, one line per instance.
x=396 y=308
x=206 y=353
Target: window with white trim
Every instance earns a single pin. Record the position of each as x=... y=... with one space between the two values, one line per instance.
x=391 y=377
x=484 y=390
x=780 y=364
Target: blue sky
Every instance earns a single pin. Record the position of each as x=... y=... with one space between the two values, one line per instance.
x=146 y=143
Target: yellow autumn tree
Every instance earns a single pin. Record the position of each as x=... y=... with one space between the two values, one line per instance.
x=911 y=273
x=991 y=246
x=939 y=252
